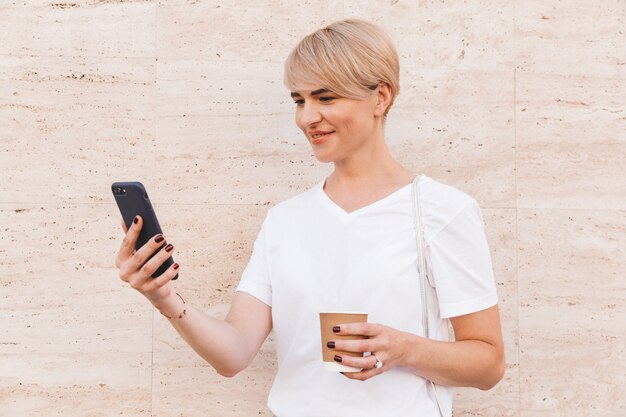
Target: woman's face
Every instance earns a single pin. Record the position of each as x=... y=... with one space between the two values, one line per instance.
x=335 y=126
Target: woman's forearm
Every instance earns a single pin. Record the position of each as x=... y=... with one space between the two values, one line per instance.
x=216 y=341
x=466 y=363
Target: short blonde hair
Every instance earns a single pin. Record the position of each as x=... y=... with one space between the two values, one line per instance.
x=349 y=57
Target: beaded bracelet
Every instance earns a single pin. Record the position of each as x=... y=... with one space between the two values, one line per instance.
x=181 y=315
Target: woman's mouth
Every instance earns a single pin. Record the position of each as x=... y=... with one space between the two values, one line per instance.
x=318 y=138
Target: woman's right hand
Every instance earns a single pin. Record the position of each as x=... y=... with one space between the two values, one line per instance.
x=137 y=272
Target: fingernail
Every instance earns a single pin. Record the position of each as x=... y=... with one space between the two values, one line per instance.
x=337 y=358
x=176 y=266
x=169 y=248
x=159 y=239
x=336 y=329
x=136 y=219
x=331 y=345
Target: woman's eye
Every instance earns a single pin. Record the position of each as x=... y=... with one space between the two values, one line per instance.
x=326 y=99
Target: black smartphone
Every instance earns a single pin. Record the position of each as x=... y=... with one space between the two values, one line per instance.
x=132 y=200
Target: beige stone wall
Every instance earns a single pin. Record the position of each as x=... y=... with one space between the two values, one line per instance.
x=519 y=103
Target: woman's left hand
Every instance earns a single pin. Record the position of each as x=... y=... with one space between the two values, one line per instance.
x=384 y=342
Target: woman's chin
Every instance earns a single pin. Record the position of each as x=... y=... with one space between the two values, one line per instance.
x=323 y=157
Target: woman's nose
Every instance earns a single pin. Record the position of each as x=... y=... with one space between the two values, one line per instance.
x=309 y=115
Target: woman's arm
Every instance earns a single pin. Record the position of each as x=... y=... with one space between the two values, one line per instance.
x=228 y=345
x=475 y=359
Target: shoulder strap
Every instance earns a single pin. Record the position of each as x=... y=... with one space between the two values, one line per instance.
x=421 y=255
x=421 y=248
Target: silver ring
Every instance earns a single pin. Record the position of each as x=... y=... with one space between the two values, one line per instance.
x=379 y=364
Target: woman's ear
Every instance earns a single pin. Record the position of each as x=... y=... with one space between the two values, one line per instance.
x=383 y=99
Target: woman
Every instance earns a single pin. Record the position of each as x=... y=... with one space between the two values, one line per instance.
x=349 y=244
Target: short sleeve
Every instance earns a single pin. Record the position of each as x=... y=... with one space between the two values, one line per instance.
x=460 y=265
x=255 y=279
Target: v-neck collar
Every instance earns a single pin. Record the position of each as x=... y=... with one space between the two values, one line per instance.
x=340 y=212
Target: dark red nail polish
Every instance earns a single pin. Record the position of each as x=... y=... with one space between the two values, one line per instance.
x=336 y=329
x=337 y=358
x=331 y=345
x=176 y=266
x=136 y=220
x=159 y=239
x=169 y=248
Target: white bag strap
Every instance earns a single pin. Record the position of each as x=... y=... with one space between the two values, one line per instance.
x=421 y=254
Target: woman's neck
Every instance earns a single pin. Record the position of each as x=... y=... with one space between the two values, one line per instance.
x=373 y=166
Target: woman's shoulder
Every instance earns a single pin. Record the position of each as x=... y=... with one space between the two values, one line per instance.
x=442 y=195
x=297 y=204
x=442 y=203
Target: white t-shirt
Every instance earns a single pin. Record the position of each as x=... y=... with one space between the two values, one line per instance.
x=313 y=256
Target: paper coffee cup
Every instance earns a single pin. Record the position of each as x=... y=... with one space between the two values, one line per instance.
x=328 y=320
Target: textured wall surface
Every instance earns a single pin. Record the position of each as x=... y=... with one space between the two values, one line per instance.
x=521 y=104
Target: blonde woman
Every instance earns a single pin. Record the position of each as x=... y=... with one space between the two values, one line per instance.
x=349 y=243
